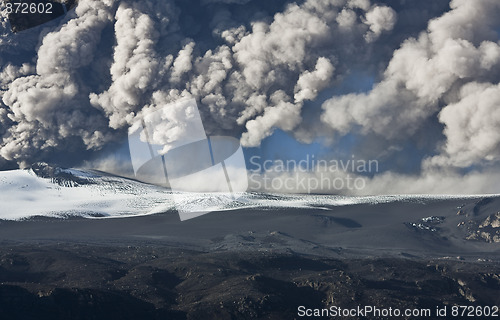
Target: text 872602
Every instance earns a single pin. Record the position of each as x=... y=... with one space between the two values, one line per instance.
x=23 y=7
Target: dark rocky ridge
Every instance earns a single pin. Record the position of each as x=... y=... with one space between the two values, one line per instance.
x=477 y=227
x=487 y=230
x=73 y=281
x=57 y=175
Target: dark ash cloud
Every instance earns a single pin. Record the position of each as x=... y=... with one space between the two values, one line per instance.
x=75 y=85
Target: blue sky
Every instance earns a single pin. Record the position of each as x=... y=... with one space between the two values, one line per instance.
x=283 y=146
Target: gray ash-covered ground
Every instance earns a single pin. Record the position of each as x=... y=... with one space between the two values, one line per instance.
x=76 y=281
x=251 y=262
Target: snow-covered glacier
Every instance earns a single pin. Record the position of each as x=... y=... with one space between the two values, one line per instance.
x=56 y=192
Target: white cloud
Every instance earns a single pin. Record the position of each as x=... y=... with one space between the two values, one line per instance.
x=380 y=19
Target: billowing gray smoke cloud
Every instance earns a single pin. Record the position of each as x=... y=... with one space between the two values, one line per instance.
x=451 y=72
x=258 y=79
x=47 y=108
x=255 y=79
x=425 y=73
x=252 y=70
